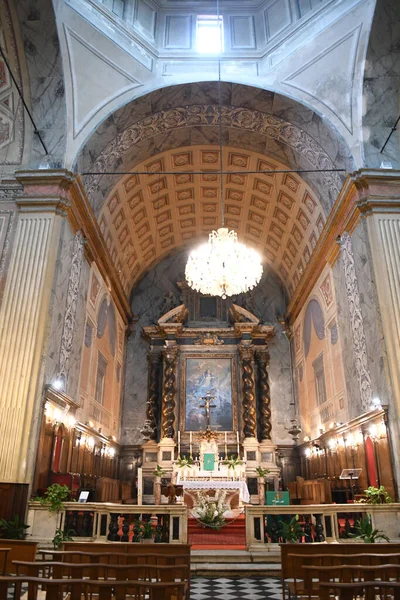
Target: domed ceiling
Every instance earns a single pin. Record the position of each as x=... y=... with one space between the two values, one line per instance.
x=148 y=214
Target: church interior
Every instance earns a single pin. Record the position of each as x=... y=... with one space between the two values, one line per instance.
x=132 y=132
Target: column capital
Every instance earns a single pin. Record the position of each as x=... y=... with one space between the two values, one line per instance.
x=246 y=351
x=62 y=192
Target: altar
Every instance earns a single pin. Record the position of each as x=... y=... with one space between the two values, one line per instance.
x=207 y=386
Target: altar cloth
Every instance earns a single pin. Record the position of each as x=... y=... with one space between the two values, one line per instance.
x=244 y=495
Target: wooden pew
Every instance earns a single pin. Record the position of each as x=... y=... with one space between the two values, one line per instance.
x=94 y=571
x=368 y=589
x=311 y=554
x=348 y=574
x=107 y=590
x=18 y=550
x=115 y=558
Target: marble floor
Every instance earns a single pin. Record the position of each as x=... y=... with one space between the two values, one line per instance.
x=226 y=588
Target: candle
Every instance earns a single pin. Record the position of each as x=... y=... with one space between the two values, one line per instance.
x=226 y=448
x=190 y=442
x=179 y=443
x=238 y=449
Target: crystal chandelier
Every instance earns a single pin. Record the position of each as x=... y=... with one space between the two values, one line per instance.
x=223 y=267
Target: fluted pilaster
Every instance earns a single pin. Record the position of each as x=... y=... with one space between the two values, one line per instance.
x=23 y=315
x=248 y=389
x=170 y=356
x=152 y=413
x=264 y=404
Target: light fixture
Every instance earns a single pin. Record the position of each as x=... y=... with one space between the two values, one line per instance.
x=223 y=266
x=294 y=430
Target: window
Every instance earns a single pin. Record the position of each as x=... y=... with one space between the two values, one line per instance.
x=100 y=378
x=209 y=35
x=319 y=376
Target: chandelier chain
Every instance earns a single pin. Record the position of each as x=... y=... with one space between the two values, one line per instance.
x=221 y=189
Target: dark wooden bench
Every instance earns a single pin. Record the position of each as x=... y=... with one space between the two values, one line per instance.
x=347 y=574
x=17 y=550
x=76 y=588
x=294 y=556
x=366 y=589
x=115 y=558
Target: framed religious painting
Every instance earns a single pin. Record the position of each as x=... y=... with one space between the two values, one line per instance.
x=212 y=377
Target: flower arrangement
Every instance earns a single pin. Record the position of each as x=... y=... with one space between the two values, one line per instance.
x=184 y=461
x=158 y=471
x=261 y=472
x=211 y=512
x=232 y=461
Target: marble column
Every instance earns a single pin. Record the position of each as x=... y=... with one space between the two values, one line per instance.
x=246 y=353
x=23 y=320
x=170 y=355
x=264 y=405
x=152 y=412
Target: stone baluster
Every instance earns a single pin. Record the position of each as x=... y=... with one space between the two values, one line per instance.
x=170 y=355
x=248 y=389
x=264 y=405
x=152 y=413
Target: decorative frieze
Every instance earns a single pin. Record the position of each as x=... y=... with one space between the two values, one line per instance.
x=70 y=311
x=356 y=321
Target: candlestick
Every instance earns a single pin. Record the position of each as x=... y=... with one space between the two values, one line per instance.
x=226 y=448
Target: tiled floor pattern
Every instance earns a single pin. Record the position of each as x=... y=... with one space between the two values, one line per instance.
x=245 y=588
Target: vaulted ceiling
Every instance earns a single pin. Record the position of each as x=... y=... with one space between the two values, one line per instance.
x=148 y=214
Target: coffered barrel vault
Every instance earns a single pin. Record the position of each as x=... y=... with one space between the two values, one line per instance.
x=147 y=215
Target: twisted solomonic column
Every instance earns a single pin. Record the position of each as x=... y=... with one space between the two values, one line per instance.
x=152 y=412
x=248 y=389
x=170 y=355
x=264 y=404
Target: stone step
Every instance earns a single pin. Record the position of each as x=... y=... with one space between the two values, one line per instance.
x=225 y=563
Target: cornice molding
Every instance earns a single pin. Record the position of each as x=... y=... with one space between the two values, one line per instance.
x=364 y=193
x=61 y=191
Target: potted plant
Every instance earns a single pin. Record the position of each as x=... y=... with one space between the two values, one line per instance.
x=61 y=537
x=290 y=531
x=13 y=529
x=366 y=531
x=375 y=495
x=261 y=472
x=147 y=532
x=45 y=524
x=211 y=512
x=158 y=472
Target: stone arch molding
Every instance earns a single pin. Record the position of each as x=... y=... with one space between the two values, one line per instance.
x=280 y=138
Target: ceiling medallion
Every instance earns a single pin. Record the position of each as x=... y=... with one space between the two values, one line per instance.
x=223 y=267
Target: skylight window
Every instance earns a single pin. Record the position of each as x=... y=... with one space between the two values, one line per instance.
x=209 y=34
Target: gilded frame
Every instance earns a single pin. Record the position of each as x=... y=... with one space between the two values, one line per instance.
x=207 y=356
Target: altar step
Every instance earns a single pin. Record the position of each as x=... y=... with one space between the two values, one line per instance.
x=231 y=536
x=234 y=563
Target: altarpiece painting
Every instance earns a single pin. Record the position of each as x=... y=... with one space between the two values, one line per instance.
x=214 y=376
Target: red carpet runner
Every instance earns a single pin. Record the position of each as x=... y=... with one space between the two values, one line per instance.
x=230 y=537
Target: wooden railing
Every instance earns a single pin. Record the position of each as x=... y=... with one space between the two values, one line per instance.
x=318 y=522
x=106 y=522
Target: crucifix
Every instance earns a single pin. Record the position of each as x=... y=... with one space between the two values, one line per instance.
x=207 y=405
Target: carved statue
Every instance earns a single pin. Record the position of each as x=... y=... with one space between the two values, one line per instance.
x=169 y=302
x=172 y=491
